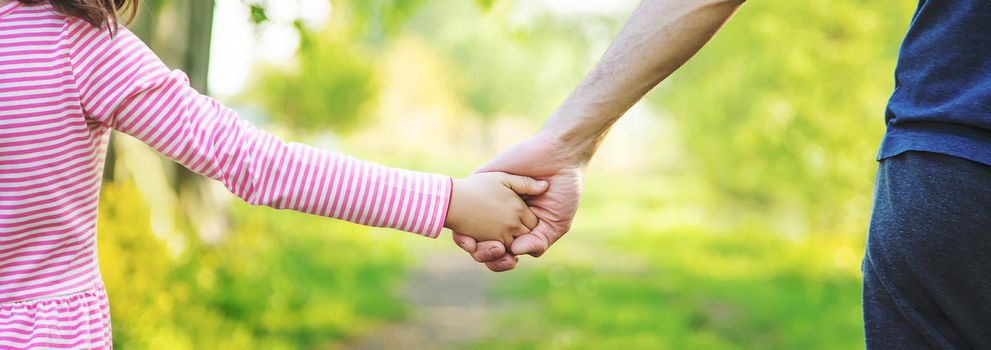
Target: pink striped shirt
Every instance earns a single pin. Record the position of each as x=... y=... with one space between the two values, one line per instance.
x=63 y=85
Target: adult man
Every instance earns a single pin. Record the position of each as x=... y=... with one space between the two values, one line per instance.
x=925 y=269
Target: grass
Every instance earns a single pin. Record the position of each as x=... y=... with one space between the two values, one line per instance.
x=623 y=280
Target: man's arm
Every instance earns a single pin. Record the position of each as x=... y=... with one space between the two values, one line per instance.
x=659 y=37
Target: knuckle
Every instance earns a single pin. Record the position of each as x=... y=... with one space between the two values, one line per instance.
x=481 y=256
x=509 y=228
x=490 y=252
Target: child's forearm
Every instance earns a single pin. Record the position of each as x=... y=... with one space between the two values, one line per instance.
x=302 y=178
x=125 y=86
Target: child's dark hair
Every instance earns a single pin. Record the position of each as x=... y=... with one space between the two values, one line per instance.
x=95 y=12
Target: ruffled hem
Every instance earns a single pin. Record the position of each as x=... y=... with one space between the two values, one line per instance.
x=79 y=320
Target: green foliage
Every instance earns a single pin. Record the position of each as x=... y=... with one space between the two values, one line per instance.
x=134 y=265
x=784 y=109
x=281 y=280
x=258 y=13
x=505 y=69
x=485 y=5
x=380 y=18
x=334 y=81
x=332 y=85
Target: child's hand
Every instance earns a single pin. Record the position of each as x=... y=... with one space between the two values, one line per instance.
x=488 y=206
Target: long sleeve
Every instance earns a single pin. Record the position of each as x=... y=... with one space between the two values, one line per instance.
x=125 y=86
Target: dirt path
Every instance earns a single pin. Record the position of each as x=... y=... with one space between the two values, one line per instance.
x=450 y=305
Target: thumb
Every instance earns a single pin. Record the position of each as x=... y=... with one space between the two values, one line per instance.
x=523 y=185
x=534 y=243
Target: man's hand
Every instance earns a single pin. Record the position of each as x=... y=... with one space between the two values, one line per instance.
x=542 y=157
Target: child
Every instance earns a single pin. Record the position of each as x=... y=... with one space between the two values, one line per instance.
x=67 y=78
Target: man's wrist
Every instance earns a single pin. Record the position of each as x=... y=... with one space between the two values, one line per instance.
x=574 y=141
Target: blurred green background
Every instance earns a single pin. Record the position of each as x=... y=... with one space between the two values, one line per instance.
x=727 y=210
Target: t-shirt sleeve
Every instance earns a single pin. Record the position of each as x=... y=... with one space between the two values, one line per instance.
x=125 y=86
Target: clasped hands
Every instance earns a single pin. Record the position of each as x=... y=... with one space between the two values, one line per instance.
x=497 y=216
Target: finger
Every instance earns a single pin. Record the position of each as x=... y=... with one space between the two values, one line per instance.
x=534 y=243
x=465 y=242
x=489 y=251
x=523 y=185
x=530 y=244
x=505 y=263
x=529 y=219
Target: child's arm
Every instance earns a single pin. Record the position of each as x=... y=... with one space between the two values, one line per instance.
x=125 y=86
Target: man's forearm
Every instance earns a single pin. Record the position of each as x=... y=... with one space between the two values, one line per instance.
x=659 y=37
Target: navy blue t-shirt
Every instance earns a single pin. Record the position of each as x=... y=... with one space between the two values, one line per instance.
x=942 y=98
